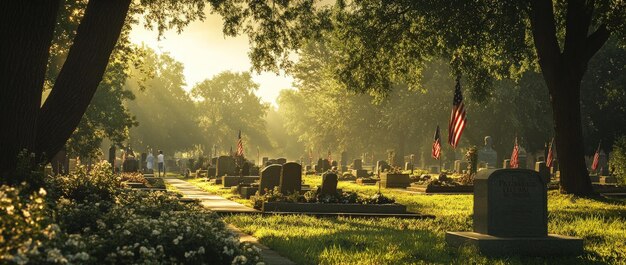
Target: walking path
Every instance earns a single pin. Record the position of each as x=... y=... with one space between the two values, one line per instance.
x=218 y=204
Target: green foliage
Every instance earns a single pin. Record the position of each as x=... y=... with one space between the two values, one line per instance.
x=122 y=227
x=23 y=219
x=99 y=184
x=315 y=196
x=162 y=107
x=617 y=160
x=228 y=104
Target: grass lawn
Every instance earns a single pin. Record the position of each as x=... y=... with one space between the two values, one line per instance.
x=311 y=240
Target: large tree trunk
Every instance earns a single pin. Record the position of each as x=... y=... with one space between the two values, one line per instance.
x=26 y=28
x=565 y=98
x=78 y=80
x=563 y=72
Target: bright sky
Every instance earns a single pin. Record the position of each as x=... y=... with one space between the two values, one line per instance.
x=205 y=52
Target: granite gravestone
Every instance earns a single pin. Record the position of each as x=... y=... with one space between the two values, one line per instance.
x=382 y=166
x=291 y=178
x=543 y=170
x=511 y=217
x=225 y=166
x=270 y=178
x=357 y=164
x=344 y=159
x=487 y=155
x=329 y=184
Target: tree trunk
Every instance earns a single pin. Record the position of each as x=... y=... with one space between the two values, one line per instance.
x=565 y=97
x=563 y=72
x=27 y=29
x=78 y=80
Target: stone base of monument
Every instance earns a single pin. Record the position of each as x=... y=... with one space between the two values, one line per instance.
x=230 y=181
x=429 y=189
x=551 y=245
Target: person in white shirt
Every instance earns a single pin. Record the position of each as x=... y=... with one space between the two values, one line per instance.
x=161 y=161
x=150 y=163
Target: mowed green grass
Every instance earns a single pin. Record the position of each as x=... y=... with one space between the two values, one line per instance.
x=312 y=240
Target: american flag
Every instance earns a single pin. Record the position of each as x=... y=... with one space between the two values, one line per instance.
x=457 y=117
x=437 y=145
x=514 y=156
x=596 y=159
x=550 y=157
x=239 y=145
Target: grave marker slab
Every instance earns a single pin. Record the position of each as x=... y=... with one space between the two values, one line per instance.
x=329 y=184
x=511 y=217
x=291 y=178
x=270 y=178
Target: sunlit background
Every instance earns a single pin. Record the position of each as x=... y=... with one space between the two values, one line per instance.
x=205 y=52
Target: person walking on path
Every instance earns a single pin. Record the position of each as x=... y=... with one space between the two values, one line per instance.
x=161 y=161
x=150 y=163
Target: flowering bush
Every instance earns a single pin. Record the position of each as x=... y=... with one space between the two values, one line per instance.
x=131 y=227
x=100 y=184
x=315 y=196
x=133 y=177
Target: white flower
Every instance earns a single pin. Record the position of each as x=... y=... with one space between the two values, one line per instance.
x=201 y=250
x=126 y=232
x=175 y=241
x=42 y=192
x=82 y=256
x=54 y=255
x=156 y=232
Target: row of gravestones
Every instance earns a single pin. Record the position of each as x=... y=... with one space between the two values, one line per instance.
x=288 y=177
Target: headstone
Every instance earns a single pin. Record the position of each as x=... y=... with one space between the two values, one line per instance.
x=254 y=171
x=522 y=158
x=408 y=166
x=142 y=164
x=270 y=178
x=506 y=163
x=511 y=216
x=214 y=161
x=381 y=166
x=460 y=166
x=357 y=164
x=359 y=173
x=487 y=155
x=226 y=166
x=211 y=172
x=60 y=163
x=265 y=160
x=329 y=184
x=543 y=170
x=323 y=165
x=291 y=178
x=245 y=169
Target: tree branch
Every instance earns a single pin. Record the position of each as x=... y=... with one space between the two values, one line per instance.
x=543 y=28
x=596 y=40
x=81 y=74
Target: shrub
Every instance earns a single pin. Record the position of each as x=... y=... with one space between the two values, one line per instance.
x=617 y=160
x=100 y=184
x=112 y=226
x=133 y=177
x=23 y=224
